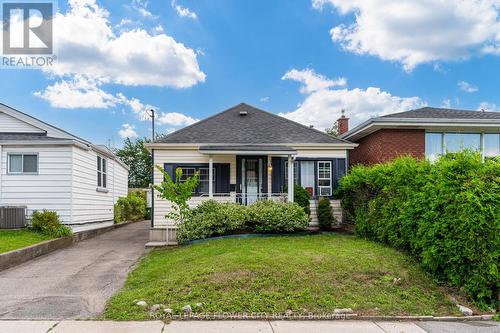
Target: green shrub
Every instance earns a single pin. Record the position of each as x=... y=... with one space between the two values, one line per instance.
x=212 y=218
x=325 y=216
x=447 y=214
x=302 y=197
x=270 y=216
x=131 y=208
x=47 y=222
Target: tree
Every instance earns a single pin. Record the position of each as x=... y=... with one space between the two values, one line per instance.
x=177 y=192
x=333 y=130
x=138 y=159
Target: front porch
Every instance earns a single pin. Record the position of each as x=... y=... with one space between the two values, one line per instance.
x=246 y=174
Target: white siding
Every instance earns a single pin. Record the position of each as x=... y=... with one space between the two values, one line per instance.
x=162 y=207
x=191 y=155
x=320 y=153
x=10 y=124
x=49 y=189
x=88 y=204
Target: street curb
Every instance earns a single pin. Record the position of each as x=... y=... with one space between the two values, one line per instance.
x=19 y=256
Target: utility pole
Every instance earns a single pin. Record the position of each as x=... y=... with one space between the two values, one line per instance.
x=151 y=113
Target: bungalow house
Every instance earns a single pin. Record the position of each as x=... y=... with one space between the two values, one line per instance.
x=44 y=167
x=422 y=133
x=245 y=154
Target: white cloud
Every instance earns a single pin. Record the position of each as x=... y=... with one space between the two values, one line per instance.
x=322 y=107
x=467 y=87
x=446 y=103
x=128 y=131
x=141 y=7
x=413 y=32
x=183 y=11
x=79 y=92
x=87 y=45
x=491 y=107
x=264 y=99
x=176 y=119
x=311 y=81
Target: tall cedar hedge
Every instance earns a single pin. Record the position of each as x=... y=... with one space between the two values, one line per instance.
x=447 y=214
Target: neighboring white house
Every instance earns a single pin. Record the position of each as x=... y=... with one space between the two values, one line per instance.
x=44 y=167
x=246 y=154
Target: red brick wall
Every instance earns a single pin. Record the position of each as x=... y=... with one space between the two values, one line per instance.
x=386 y=144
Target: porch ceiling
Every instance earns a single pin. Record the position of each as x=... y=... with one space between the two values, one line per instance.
x=248 y=150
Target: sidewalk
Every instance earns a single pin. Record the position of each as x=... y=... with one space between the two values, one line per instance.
x=346 y=326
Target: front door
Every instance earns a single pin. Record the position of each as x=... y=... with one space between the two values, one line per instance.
x=252 y=176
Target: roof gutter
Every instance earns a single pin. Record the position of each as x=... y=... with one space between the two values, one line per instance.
x=418 y=123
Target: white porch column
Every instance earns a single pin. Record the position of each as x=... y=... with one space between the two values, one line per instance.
x=269 y=176
x=290 y=179
x=210 y=176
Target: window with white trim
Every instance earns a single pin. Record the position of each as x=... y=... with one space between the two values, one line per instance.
x=325 y=178
x=23 y=163
x=101 y=172
x=203 y=178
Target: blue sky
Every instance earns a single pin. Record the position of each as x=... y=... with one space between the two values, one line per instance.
x=303 y=59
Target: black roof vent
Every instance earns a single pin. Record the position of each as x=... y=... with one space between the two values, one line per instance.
x=243 y=113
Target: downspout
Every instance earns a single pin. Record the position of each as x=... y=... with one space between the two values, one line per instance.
x=1 y=160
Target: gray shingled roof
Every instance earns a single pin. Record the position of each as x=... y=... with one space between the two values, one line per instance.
x=28 y=137
x=439 y=113
x=270 y=148
x=256 y=127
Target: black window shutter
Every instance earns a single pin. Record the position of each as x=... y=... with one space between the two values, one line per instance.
x=277 y=175
x=169 y=169
x=222 y=178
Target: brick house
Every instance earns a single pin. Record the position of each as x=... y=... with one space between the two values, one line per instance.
x=422 y=133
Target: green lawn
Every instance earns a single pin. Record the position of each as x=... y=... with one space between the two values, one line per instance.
x=16 y=239
x=316 y=273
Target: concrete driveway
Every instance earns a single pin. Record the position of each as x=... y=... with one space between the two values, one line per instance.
x=74 y=282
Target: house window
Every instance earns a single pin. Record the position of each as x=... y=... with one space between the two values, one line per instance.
x=491 y=145
x=101 y=172
x=23 y=163
x=438 y=143
x=325 y=178
x=202 y=188
x=433 y=145
x=455 y=142
x=295 y=173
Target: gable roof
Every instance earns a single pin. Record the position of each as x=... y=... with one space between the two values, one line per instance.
x=50 y=130
x=245 y=124
x=49 y=135
x=428 y=118
x=441 y=113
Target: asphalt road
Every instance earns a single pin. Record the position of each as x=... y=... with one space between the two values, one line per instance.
x=74 y=282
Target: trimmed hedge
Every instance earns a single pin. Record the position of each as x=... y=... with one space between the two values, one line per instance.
x=325 y=216
x=212 y=218
x=447 y=214
x=271 y=216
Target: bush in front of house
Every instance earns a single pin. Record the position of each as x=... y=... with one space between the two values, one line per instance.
x=447 y=214
x=325 y=216
x=48 y=223
x=271 y=216
x=301 y=197
x=212 y=218
x=130 y=208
